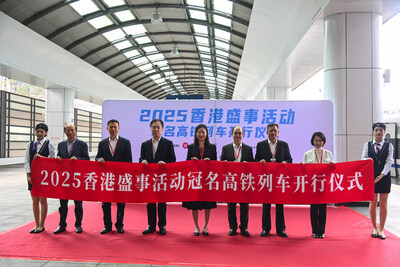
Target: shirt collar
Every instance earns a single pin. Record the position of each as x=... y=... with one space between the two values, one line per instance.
x=269 y=142
x=109 y=139
x=42 y=141
x=156 y=140
x=234 y=145
x=381 y=143
x=72 y=141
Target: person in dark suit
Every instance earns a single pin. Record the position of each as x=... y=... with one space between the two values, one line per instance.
x=71 y=149
x=273 y=150
x=239 y=152
x=161 y=151
x=201 y=149
x=114 y=148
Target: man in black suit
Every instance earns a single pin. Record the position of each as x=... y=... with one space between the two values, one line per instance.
x=114 y=148
x=273 y=150
x=237 y=151
x=71 y=149
x=161 y=151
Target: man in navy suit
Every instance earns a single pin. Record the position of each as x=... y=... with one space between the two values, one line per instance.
x=239 y=152
x=161 y=151
x=114 y=148
x=71 y=149
x=273 y=150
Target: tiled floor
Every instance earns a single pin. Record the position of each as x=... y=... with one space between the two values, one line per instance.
x=15 y=210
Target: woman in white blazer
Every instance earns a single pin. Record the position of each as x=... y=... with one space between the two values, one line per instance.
x=318 y=155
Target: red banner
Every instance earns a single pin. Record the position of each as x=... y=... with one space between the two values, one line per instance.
x=197 y=180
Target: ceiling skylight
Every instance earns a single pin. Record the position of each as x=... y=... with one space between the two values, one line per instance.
x=222 y=45
x=201 y=40
x=114 y=35
x=146 y=67
x=221 y=53
x=84 y=7
x=200 y=28
x=150 y=49
x=195 y=3
x=112 y=3
x=140 y=60
x=156 y=57
x=100 y=22
x=125 y=15
x=123 y=45
x=131 y=53
x=222 y=20
x=143 y=40
x=194 y=14
x=135 y=30
x=222 y=34
x=223 y=6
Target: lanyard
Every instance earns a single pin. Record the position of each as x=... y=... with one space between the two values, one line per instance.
x=238 y=154
x=69 y=152
x=201 y=152
x=112 y=150
x=273 y=154
x=322 y=154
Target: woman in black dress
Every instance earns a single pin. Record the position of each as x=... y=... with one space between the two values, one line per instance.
x=381 y=152
x=201 y=149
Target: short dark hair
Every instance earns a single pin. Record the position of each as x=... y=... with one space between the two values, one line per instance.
x=157 y=120
x=196 y=141
x=112 y=121
x=379 y=124
x=233 y=129
x=272 y=125
x=320 y=135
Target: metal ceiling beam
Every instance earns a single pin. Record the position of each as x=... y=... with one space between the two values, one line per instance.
x=130 y=23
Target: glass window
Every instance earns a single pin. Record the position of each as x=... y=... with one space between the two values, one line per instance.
x=125 y=15
x=84 y=7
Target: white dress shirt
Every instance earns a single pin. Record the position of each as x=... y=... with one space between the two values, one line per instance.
x=389 y=159
x=27 y=163
x=236 y=150
x=112 y=144
x=155 y=146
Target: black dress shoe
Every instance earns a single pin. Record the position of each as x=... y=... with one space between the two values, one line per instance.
x=232 y=232
x=148 y=230
x=120 y=230
x=78 y=230
x=282 y=234
x=382 y=236
x=163 y=230
x=264 y=233
x=39 y=230
x=59 y=230
x=32 y=231
x=322 y=236
x=315 y=235
x=195 y=233
x=105 y=230
x=374 y=235
x=245 y=233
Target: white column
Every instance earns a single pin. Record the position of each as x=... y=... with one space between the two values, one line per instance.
x=280 y=85
x=353 y=79
x=59 y=110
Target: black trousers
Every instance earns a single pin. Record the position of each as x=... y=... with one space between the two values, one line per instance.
x=244 y=216
x=318 y=218
x=63 y=210
x=279 y=220
x=106 y=206
x=152 y=215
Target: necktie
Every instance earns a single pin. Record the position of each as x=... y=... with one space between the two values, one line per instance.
x=378 y=148
x=35 y=146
